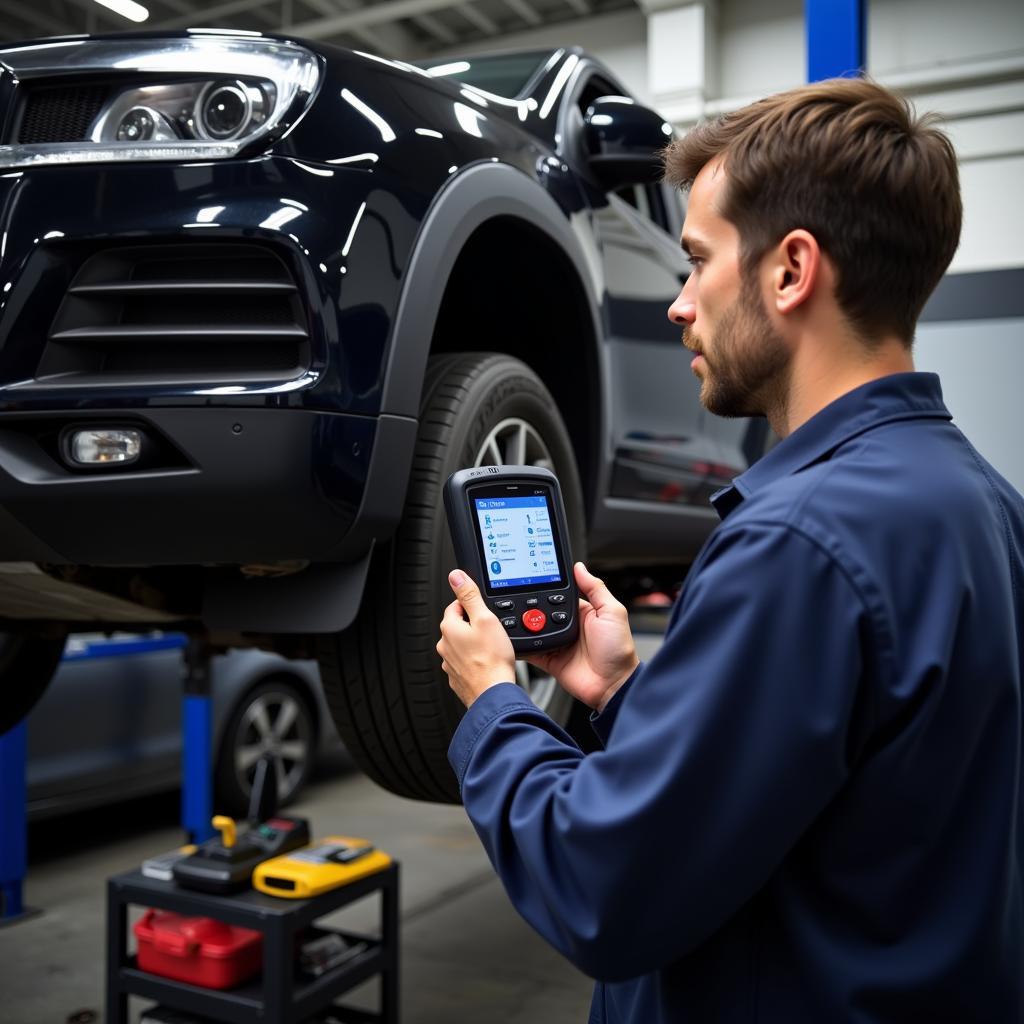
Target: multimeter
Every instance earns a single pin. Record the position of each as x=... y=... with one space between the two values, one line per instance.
x=510 y=534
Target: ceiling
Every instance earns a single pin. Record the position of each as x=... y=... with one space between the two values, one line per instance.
x=397 y=28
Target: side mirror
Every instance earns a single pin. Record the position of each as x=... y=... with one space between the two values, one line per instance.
x=625 y=141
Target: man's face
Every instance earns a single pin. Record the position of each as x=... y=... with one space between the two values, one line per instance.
x=741 y=360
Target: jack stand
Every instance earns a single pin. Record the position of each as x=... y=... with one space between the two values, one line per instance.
x=197 y=724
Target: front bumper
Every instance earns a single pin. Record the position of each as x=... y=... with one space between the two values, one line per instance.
x=235 y=486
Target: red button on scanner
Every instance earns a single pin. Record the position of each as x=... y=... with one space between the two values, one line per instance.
x=534 y=620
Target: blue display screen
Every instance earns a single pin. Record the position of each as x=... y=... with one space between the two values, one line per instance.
x=518 y=541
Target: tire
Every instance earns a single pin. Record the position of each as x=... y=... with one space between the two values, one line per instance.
x=274 y=715
x=382 y=677
x=27 y=664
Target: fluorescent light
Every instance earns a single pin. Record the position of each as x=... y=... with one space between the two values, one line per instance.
x=126 y=8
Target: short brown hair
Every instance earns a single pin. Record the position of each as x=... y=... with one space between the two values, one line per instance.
x=847 y=160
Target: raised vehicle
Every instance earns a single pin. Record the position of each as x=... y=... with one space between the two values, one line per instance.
x=259 y=298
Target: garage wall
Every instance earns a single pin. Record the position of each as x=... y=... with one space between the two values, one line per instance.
x=966 y=61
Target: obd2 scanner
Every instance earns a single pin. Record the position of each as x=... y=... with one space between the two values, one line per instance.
x=510 y=534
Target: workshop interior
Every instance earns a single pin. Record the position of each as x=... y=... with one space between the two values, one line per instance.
x=303 y=305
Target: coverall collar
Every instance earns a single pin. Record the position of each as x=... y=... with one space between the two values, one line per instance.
x=898 y=396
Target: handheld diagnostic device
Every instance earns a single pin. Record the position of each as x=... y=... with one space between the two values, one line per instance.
x=510 y=534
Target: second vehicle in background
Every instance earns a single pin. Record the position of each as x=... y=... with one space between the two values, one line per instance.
x=109 y=726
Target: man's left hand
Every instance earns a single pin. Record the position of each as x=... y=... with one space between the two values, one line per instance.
x=476 y=654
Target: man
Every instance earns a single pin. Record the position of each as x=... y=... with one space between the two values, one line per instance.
x=809 y=803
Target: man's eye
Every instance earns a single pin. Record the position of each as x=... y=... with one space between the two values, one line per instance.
x=695 y=261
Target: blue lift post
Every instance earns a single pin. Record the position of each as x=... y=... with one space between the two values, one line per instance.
x=835 y=37
x=13 y=842
x=197 y=725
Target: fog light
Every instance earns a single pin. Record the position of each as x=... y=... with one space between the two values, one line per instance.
x=98 y=447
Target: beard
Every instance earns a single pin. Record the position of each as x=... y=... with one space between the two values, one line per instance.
x=748 y=372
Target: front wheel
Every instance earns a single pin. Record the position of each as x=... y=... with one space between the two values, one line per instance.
x=382 y=676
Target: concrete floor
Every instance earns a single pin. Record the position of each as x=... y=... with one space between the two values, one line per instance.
x=466 y=955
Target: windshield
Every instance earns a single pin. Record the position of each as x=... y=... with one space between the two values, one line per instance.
x=504 y=74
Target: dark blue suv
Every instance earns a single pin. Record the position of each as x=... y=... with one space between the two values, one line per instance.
x=259 y=299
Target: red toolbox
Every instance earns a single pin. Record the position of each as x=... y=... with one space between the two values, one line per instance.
x=198 y=950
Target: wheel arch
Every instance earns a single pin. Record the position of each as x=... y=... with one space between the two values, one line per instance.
x=450 y=303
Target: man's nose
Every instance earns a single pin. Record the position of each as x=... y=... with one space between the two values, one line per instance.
x=684 y=310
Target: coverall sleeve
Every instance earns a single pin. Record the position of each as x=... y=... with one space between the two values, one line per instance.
x=725 y=748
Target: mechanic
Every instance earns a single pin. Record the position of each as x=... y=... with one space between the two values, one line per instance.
x=808 y=803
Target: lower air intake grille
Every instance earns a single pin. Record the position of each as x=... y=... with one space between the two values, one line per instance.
x=178 y=314
x=60 y=113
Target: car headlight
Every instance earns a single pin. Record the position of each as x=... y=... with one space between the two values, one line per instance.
x=202 y=97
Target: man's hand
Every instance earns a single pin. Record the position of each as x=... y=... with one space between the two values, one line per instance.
x=604 y=656
x=478 y=653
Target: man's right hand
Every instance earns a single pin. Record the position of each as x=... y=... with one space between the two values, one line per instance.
x=604 y=656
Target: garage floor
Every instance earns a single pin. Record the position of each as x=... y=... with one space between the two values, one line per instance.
x=466 y=955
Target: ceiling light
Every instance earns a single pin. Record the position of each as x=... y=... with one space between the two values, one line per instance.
x=126 y=8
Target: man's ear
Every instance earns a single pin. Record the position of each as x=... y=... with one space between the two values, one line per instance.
x=796 y=270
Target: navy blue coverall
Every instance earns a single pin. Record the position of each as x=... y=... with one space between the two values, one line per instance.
x=810 y=803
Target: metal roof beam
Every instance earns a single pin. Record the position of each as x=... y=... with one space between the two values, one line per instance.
x=476 y=17
x=436 y=28
x=366 y=36
x=201 y=17
x=525 y=11
x=28 y=15
x=581 y=7
x=377 y=14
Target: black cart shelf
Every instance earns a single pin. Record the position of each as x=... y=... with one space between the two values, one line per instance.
x=282 y=994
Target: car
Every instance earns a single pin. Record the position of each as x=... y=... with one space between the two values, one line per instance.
x=261 y=297
x=108 y=727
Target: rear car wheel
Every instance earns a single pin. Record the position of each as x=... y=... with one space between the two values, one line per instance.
x=273 y=717
x=382 y=676
x=27 y=664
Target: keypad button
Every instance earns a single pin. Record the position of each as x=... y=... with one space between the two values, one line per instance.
x=504 y=605
x=532 y=602
x=510 y=622
x=559 y=616
x=556 y=598
x=534 y=620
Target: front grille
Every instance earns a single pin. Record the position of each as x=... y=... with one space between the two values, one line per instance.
x=166 y=314
x=60 y=113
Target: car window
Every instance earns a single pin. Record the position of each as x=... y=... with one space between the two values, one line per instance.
x=506 y=74
x=650 y=202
